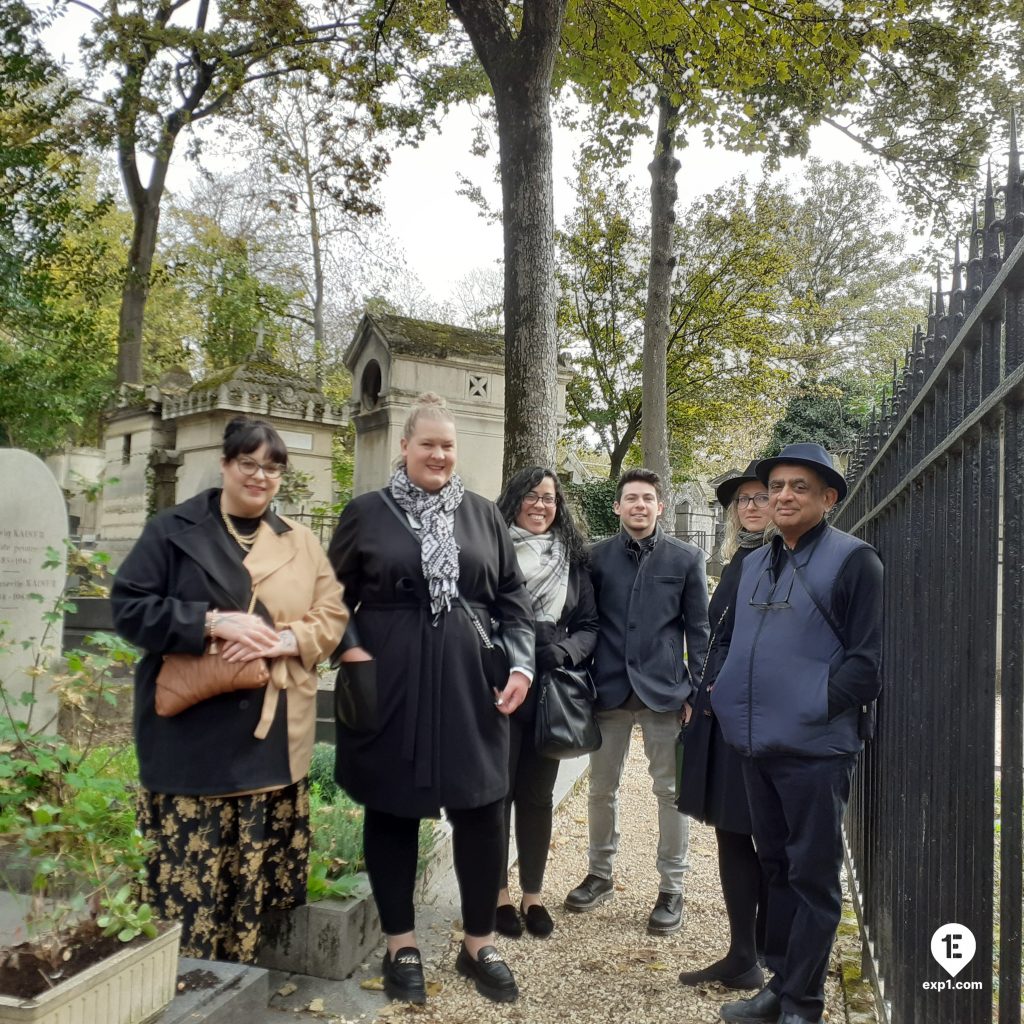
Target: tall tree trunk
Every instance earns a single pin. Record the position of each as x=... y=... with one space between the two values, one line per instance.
x=531 y=347
x=519 y=68
x=145 y=207
x=318 y=267
x=664 y=192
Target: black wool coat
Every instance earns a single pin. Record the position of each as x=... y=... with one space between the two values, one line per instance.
x=184 y=565
x=441 y=742
x=714 y=792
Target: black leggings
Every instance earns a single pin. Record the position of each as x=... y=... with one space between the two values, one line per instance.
x=531 y=783
x=391 y=846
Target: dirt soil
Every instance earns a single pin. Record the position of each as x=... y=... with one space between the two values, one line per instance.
x=30 y=968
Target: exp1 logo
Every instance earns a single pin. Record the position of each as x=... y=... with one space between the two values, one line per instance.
x=953 y=947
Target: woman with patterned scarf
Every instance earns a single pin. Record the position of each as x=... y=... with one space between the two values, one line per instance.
x=552 y=557
x=427 y=567
x=711 y=788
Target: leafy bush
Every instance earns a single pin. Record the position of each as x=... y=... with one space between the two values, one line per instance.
x=321 y=771
x=593 y=501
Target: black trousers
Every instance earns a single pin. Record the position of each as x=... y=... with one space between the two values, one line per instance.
x=391 y=846
x=531 y=785
x=796 y=807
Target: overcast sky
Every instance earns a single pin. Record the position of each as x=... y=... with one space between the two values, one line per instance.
x=442 y=234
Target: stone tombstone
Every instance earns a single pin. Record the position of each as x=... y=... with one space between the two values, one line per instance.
x=33 y=520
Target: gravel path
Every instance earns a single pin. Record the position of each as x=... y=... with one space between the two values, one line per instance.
x=602 y=966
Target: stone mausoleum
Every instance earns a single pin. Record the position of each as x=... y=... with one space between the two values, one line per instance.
x=163 y=442
x=395 y=358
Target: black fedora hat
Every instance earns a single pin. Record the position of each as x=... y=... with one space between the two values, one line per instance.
x=808 y=454
x=727 y=489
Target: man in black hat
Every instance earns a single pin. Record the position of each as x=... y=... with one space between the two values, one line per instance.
x=803 y=663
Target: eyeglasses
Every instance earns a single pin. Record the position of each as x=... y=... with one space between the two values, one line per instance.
x=746 y=500
x=771 y=604
x=248 y=467
x=548 y=500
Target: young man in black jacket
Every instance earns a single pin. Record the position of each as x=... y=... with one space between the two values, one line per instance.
x=652 y=603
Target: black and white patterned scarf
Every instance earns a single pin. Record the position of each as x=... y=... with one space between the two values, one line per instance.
x=545 y=564
x=439 y=554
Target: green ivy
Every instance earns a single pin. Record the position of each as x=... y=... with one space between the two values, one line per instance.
x=593 y=502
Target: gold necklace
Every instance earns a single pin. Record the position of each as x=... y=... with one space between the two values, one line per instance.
x=245 y=540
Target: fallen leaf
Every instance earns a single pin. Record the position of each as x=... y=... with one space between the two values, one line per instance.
x=287 y=988
x=435 y=988
x=316 y=1006
x=372 y=984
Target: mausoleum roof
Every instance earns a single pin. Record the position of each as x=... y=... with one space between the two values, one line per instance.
x=407 y=336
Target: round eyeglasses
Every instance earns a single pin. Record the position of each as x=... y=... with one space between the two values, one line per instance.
x=746 y=500
x=547 y=500
x=249 y=467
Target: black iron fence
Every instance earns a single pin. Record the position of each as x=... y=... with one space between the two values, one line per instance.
x=934 y=825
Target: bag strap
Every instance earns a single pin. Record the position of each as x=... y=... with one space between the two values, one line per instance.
x=825 y=613
x=388 y=500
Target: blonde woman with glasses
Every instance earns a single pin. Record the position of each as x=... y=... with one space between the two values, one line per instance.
x=711 y=786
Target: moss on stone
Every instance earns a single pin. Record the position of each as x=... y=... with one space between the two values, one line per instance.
x=407 y=336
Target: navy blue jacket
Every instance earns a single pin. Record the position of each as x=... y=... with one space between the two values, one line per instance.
x=772 y=693
x=650 y=598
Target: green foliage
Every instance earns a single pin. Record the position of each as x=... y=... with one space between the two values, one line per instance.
x=594 y=503
x=321 y=771
x=758 y=77
x=726 y=346
x=831 y=412
x=67 y=810
x=336 y=851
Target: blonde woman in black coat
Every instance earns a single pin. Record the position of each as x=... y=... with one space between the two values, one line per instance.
x=405 y=556
x=552 y=557
x=713 y=790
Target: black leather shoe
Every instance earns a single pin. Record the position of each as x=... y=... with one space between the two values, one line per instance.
x=489 y=973
x=764 y=1008
x=591 y=892
x=403 y=976
x=667 y=915
x=506 y=921
x=751 y=978
x=795 y=1018
x=538 y=920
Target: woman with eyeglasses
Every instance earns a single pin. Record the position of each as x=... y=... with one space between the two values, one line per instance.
x=224 y=799
x=552 y=557
x=711 y=786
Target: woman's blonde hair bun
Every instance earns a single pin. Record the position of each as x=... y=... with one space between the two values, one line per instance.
x=428 y=405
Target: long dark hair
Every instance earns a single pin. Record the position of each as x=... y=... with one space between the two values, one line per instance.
x=511 y=499
x=244 y=435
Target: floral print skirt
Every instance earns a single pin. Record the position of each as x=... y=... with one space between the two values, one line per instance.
x=218 y=863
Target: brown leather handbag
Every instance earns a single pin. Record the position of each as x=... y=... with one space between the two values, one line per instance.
x=187 y=679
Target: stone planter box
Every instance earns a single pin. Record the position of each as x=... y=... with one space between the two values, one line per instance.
x=131 y=987
x=326 y=939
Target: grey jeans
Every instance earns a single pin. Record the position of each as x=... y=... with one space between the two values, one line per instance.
x=660 y=729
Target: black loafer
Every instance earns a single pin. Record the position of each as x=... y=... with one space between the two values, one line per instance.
x=751 y=978
x=506 y=921
x=489 y=973
x=764 y=1008
x=538 y=921
x=403 y=976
